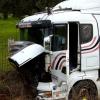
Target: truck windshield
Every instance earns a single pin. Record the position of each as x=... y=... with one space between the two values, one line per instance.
x=33 y=34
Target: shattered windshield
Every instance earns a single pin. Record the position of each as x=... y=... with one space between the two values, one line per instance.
x=33 y=34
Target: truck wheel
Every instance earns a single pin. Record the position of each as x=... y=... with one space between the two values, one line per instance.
x=84 y=90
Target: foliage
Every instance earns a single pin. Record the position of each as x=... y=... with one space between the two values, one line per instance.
x=22 y=7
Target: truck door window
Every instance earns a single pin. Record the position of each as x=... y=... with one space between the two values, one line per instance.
x=86 y=32
x=60 y=35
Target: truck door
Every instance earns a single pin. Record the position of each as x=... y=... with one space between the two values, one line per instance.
x=74 y=47
x=89 y=46
x=58 y=55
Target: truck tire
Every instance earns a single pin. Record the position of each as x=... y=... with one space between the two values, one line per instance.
x=83 y=90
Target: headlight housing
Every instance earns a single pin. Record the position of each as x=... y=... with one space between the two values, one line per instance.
x=46 y=94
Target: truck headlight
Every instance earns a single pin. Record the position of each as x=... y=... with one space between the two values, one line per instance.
x=47 y=94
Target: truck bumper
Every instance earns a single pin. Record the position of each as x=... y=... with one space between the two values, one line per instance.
x=45 y=86
x=39 y=98
x=48 y=91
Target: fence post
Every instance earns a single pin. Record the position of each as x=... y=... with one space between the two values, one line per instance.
x=10 y=44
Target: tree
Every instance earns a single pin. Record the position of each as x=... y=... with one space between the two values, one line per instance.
x=4 y=7
x=22 y=7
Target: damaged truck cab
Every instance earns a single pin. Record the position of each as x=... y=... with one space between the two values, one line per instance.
x=58 y=52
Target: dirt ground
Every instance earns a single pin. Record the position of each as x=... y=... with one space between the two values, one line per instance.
x=12 y=88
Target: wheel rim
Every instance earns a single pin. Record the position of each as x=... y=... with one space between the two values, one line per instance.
x=87 y=93
x=83 y=91
x=84 y=94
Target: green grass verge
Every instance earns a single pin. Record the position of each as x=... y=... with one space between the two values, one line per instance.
x=7 y=30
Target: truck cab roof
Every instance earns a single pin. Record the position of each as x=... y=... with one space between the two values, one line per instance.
x=36 y=16
x=68 y=6
x=85 y=6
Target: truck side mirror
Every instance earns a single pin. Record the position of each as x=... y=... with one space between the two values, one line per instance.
x=47 y=42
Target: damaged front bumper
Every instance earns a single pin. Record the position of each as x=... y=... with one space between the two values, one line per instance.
x=48 y=91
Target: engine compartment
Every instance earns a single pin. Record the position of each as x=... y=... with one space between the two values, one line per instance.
x=34 y=71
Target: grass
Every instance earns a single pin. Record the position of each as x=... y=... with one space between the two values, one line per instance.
x=7 y=30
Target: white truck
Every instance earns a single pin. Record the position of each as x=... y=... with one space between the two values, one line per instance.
x=59 y=51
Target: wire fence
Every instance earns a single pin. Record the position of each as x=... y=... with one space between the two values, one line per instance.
x=4 y=63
